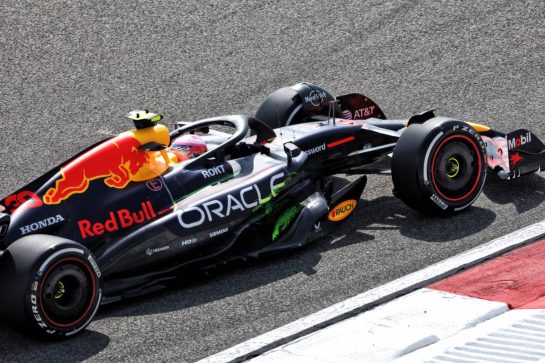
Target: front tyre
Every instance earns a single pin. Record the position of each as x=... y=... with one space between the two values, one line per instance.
x=50 y=286
x=439 y=167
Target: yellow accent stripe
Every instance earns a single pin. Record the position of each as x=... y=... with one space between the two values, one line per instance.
x=479 y=127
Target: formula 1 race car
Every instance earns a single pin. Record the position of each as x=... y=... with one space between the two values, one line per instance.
x=132 y=212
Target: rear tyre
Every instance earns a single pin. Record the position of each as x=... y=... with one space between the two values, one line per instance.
x=50 y=287
x=281 y=108
x=293 y=105
x=439 y=167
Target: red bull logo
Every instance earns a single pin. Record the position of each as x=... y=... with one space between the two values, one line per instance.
x=515 y=159
x=117 y=161
x=120 y=219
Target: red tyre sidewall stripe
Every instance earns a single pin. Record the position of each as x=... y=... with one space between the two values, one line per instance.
x=90 y=301
x=472 y=142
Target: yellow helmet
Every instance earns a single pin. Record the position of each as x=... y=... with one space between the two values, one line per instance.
x=143 y=118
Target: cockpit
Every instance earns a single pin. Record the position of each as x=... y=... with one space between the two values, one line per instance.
x=196 y=144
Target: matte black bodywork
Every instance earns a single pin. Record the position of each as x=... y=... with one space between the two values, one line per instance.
x=245 y=197
x=211 y=209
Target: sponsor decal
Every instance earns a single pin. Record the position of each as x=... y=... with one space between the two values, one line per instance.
x=347 y=115
x=215 y=209
x=44 y=223
x=188 y=242
x=318 y=226
x=151 y=251
x=364 y=113
x=117 y=161
x=473 y=132
x=217 y=170
x=37 y=316
x=316 y=149
x=440 y=202
x=95 y=266
x=519 y=140
x=284 y=221
x=34 y=307
x=117 y=220
x=342 y=210
x=333 y=144
x=515 y=158
x=218 y=232
x=154 y=185
x=316 y=97
x=27 y=198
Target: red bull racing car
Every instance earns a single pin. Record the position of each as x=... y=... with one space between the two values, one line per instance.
x=132 y=212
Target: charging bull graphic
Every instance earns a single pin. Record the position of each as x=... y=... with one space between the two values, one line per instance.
x=117 y=161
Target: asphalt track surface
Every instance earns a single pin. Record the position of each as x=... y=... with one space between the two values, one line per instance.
x=71 y=69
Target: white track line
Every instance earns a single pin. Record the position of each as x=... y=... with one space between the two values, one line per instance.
x=376 y=296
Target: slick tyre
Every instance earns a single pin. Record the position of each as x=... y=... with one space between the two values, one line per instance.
x=50 y=288
x=281 y=108
x=439 y=167
x=293 y=105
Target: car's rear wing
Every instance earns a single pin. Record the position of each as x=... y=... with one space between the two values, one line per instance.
x=355 y=106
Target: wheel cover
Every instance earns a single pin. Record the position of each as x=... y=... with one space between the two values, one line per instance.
x=456 y=168
x=67 y=292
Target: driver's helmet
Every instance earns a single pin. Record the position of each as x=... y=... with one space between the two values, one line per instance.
x=143 y=118
x=187 y=147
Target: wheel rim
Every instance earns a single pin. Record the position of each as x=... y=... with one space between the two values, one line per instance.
x=60 y=290
x=453 y=167
x=456 y=168
x=67 y=292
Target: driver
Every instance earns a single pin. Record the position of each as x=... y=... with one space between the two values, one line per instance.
x=187 y=147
